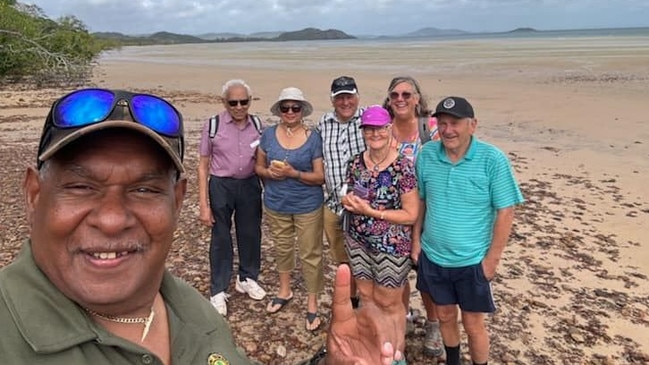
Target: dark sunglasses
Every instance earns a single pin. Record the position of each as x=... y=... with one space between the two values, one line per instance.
x=242 y=102
x=405 y=95
x=293 y=108
x=90 y=106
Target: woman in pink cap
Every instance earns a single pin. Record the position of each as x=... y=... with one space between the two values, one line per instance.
x=383 y=204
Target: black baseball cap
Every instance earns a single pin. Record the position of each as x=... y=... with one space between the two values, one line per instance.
x=343 y=85
x=75 y=116
x=456 y=106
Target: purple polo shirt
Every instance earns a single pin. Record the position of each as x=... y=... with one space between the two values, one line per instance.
x=232 y=150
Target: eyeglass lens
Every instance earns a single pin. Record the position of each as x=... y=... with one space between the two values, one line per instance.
x=242 y=102
x=293 y=108
x=405 y=95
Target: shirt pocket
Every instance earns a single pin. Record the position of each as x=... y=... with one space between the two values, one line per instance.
x=476 y=190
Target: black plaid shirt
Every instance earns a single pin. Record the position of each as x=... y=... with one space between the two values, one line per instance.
x=340 y=142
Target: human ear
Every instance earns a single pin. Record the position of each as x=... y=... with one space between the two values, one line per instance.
x=31 y=191
x=180 y=190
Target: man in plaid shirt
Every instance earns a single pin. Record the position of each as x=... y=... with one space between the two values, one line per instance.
x=341 y=140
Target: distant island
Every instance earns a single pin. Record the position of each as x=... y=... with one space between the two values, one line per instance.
x=309 y=34
x=523 y=30
x=434 y=32
x=306 y=34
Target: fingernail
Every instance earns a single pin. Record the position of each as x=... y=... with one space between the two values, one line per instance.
x=398 y=355
x=387 y=346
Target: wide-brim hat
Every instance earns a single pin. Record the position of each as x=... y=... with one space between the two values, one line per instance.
x=295 y=94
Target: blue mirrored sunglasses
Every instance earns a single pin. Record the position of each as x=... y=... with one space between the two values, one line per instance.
x=90 y=106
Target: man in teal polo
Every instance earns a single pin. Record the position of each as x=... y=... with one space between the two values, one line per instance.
x=467 y=196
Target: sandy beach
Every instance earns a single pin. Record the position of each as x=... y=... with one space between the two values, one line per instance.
x=571 y=113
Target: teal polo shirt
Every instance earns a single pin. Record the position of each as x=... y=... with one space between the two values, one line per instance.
x=462 y=200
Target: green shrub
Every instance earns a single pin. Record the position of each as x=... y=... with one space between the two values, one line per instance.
x=37 y=49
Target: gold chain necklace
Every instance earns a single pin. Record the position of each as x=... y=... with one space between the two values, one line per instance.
x=375 y=169
x=146 y=321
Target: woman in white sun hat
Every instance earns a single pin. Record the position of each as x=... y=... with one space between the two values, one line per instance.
x=289 y=160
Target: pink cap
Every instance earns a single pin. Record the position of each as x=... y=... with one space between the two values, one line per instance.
x=375 y=116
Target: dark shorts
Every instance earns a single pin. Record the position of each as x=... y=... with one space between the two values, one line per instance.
x=465 y=286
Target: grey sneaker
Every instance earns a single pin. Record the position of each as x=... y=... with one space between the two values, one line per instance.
x=433 y=345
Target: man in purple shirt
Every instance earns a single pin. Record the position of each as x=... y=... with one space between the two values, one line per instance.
x=227 y=185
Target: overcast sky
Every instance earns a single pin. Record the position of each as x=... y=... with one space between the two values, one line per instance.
x=356 y=17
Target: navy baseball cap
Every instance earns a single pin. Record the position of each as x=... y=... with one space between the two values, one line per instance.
x=343 y=85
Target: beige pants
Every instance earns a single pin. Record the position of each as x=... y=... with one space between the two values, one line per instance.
x=306 y=228
x=335 y=236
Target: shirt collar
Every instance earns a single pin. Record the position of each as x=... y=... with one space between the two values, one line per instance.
x=226 y=117
x=469 y=155
x=33 y=301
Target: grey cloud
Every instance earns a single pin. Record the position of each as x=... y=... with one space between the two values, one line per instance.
x=355 y=17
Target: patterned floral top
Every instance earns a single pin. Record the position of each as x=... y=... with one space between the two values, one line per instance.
x=383 y=191
x=412 y=146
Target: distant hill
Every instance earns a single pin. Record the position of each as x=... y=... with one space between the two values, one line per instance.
x=214 y=36
x=173 y=38
x=308 y=34
x=223 y=36
x=432 y=32
x=523 y=30
x=156 y=38
x=265 y=34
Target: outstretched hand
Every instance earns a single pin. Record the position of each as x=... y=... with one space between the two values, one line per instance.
x=359 y=337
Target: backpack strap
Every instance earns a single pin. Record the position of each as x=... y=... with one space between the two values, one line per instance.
x=256 y=121
x=214 y=125
x=424 y=129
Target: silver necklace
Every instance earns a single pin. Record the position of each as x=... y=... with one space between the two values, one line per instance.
x=377 y=164
x=146 y=321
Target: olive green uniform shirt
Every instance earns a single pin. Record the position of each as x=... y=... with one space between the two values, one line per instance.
x=39 y=325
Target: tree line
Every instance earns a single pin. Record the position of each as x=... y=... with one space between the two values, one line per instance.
x=46 y=52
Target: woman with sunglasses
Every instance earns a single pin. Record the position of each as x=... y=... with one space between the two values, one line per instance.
x=411 y=118
x=384 y=204
x=289 y=160
x=409 y=109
